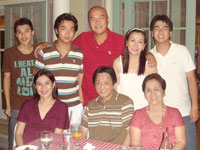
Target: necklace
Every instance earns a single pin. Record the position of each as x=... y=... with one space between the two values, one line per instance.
x=161 y=124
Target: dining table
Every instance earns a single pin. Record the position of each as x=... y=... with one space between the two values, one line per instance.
x=59 y=138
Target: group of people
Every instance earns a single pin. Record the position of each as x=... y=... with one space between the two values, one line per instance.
x=130 y=95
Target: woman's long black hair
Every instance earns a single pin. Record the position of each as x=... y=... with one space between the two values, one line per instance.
x=125 y=59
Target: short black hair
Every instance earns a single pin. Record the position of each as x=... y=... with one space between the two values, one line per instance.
x=105 y=69
x=51 y=77
x=154 y=76
x=163 y=18
x=68 y=17
x=22 y=21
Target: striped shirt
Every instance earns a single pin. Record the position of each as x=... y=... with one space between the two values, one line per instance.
x=108 y=122
x=65 y=69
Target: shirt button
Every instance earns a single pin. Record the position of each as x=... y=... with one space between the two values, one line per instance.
x=97 y=46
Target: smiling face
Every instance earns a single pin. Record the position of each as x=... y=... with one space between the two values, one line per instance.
x=135 y=43
x=66 y=31
x=153 y=92
x=161 y=32
x=98 y=20
x=44 y=87
x=24 y=34
x=104 y=85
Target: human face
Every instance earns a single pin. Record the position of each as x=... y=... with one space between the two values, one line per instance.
x=24 y=34
x=66 y=31
x=104 y=85
x=161 y=32
x=44 y=87
x=98 y=20
x=135 y=43
x=154 y=93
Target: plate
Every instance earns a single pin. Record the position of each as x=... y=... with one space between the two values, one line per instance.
x=31 y=147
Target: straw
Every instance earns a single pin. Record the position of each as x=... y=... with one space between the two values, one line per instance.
x=70 y=120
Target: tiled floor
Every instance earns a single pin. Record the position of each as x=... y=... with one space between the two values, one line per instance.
x=3 y=135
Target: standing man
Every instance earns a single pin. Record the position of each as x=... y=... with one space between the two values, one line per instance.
x=65 y=61
x=17 y=68
x=176 y=66
x=100 y=47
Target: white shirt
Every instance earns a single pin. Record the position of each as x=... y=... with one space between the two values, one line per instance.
x=173 y=67
x=131 y=85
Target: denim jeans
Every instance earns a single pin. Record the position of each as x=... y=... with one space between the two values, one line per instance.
x=190 y=134
x=12 y=123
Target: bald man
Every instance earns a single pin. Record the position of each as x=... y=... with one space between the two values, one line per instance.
x=99 y=46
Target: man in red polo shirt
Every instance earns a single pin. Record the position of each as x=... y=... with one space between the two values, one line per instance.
x=99 y=46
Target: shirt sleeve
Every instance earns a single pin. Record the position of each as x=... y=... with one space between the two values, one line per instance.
x=39 y=62
x=187 y=60
x=63 y=117
x=127 y=112
x=135 y=120
x=178 y=118
x=6 y=67
x=23 y=114
x=84 y=121
x=81 y=64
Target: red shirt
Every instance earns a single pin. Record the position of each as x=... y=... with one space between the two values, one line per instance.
x=97 y=55
x=171 y=120
x=56 y=117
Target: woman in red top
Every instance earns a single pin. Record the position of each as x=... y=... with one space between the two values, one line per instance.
x=148 y=123
x=44 y=112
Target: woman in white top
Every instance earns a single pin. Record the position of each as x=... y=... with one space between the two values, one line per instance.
x=131 y=68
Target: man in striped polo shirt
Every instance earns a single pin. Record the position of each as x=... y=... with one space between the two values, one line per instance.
x=107 y=117
x=65 y=61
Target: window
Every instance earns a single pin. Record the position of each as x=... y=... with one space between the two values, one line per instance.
x=36 y=12
x=138 y=13
x=90 y=4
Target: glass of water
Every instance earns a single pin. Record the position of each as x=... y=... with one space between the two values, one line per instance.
x=46 y=139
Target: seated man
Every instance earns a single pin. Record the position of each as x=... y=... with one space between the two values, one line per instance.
x=107 y=117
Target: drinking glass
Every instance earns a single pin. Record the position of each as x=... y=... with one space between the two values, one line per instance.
x=46 y=139
x=67 y=134
x=76 y=133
